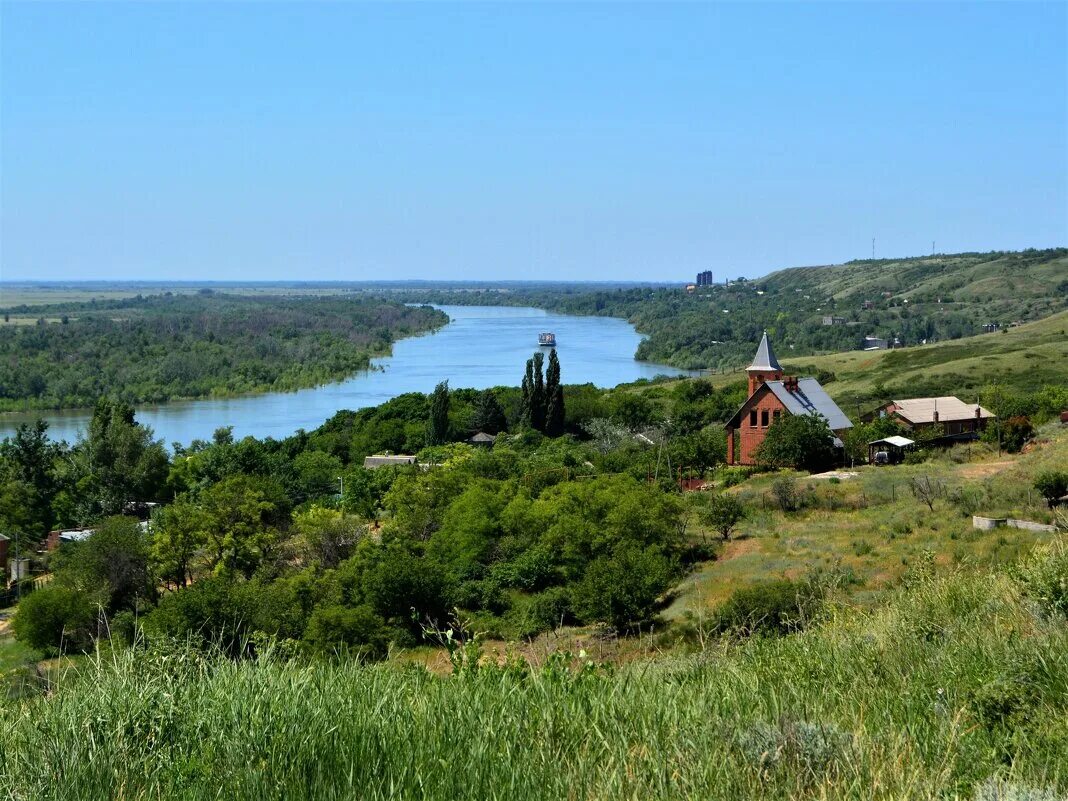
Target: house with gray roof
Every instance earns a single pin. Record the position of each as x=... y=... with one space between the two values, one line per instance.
x=773 y=395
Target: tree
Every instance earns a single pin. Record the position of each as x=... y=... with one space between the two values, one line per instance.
x=117 y=462
x=114 y=562
x=329 y=534
x=623 y=589
x=538 y=401
x=1052 y=484
x=438 y=425
x=31 y=457
x=802 y=441
x=242 y=518
x=723 y=513
x=179 y=534
x=554 y=393
x=488 y=415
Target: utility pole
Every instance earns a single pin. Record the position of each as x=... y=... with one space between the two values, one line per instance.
x=341 y=495
x=873 y=248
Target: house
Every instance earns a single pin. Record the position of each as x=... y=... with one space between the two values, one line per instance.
x=831 y=320
x=867 y=305
x=57 y=538
x=482 y=439
x=385 y=460
x=771 y=395
x=874 y=343
x=990 y=328
x=958 y=419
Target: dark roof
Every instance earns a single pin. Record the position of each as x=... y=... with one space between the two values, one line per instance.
x=482 y=436
x=808 y=398
x=765 y=357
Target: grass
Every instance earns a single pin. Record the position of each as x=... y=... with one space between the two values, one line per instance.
x=871 y=529
x=955 y=682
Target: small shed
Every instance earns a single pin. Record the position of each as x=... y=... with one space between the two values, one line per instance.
x=894 y=447
x=482 y=439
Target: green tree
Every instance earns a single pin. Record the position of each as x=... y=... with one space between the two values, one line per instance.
x=329 y=535
x=31 y=457
x=242 y=518
x=114 y=563
x=488 y=415
x=354 y=630
x=116 y=463
x=623 y=589
x=438 y=426
x=179 y=535
x=554 y=394
x=802 y=441
x=722 y=513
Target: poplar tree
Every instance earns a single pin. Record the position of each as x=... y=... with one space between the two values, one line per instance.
x=438 y=425
x=537 y=393
x=554 y=393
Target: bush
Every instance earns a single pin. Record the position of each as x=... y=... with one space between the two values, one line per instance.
x=801 y=441
x=1015 y=432
x=722 y=514
x=1052 y=484
x=55 y=618
x=356 y=630
x=623 y=589
x=1045 y=577
x=543 y=612
x=786 y=493
x=781 y=606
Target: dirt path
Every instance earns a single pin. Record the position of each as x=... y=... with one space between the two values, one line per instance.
x=984 y=469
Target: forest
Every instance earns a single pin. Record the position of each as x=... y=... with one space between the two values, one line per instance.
x=163 y=347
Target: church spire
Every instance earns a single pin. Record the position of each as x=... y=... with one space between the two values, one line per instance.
x=765 y=357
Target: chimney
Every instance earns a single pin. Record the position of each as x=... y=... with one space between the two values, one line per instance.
x=936 y=415
x=978 y=412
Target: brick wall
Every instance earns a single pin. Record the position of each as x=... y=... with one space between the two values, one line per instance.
x=765 y=404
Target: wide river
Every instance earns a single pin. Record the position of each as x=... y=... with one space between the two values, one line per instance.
x=482 y=346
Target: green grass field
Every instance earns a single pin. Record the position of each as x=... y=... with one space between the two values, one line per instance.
x=955 y=688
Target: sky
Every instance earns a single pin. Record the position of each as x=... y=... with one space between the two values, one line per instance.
x=344 y=141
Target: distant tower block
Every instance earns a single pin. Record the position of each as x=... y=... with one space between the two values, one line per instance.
x=704 y=278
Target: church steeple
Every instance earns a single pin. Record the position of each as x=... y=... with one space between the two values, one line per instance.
x=765 y=366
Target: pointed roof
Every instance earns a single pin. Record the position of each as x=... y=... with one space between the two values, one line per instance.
x=765 y=357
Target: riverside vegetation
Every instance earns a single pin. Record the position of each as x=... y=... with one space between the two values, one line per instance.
x=163 y=347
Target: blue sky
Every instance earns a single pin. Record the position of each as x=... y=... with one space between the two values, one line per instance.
x=347 y=141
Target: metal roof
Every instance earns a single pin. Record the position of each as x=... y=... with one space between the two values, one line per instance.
x=950 y=408
x=765 y=357
x=897 y=442
x=811 y=398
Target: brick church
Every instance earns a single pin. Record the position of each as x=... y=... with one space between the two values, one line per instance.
x=771 y=395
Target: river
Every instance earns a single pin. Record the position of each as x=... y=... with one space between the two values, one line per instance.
x=482 y=346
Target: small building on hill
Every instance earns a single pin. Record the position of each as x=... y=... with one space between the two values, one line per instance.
x=386 y=460
x=772 y=395
x=957 y=418
x=482 y=439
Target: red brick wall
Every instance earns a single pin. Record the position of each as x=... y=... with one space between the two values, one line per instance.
x=750 y=437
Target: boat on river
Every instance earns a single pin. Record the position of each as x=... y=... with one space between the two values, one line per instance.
x=547 y=339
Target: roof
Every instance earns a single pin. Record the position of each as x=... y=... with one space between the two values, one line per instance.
x=765 y=357
x=921 y=410
x=381 y=460
x=482 y=436
x=809 y=398
x=897 y=442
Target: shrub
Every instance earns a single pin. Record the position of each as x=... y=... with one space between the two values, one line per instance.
x=786 y=493
x=355 y=630
x=623 y=589
x=543 y=612
x=1015 y=432
x=55 y=618
x=1052 y=484
x=1045 y=577
x=722 y=514
x=781 y=606
x=802 y=441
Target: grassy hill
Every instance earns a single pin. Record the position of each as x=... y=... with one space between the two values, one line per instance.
x=1025 y=359
x=1021 y=359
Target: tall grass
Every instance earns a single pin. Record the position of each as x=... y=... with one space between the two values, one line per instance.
x=957 y=687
